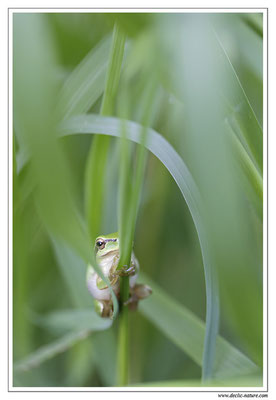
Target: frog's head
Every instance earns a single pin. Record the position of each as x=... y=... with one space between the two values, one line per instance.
x=106 y=244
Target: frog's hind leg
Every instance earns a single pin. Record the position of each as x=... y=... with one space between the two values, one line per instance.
x=138 y=292
x=104 y=308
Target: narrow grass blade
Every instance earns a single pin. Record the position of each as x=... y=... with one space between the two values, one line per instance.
x=255 y=21
x=96 y=163
x=130 y=192
x=50 y=350
x=125 y=191
x=241 y=111
x=86 y=83
x=252 y=174
x=130 y=189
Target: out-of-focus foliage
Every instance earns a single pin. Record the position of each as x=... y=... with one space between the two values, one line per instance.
x=207 y=103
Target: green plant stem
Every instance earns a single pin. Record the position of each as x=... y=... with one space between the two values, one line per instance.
x=96 y=166
x=123 y=348
x=125 y=257
x=129 y=202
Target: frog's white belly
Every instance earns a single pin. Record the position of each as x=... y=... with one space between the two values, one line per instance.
x=105 y=264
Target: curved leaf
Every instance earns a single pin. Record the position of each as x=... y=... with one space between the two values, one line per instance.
x=88 y=124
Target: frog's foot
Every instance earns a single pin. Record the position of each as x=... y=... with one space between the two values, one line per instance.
x=138 y=292
x=104 y=308
x=142 y=291
x=126 y=271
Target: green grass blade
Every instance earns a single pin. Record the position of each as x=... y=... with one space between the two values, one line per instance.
x=73 y=271
x=49 y=351
x=111 y=126
x=114 y=71
x=94 y=185
x=252 y=174
x=255 y=22
x=241 y=111
x=34 y=100
x=35 y=94
x=129 y=196
x=125 y=256
x=130 y=190
x=96 y=163
x=177 y=168
x=86 y=83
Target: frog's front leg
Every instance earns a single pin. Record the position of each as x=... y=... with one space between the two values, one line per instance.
x=138 y=292
x=127 y=271
x=124 y=271
x=104 y=308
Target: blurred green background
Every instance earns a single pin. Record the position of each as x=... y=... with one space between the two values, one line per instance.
x=208 y=106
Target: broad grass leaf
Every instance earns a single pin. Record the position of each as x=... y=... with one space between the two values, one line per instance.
x=35 y=94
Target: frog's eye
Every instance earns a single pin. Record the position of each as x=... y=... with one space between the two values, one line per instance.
x=100 y=244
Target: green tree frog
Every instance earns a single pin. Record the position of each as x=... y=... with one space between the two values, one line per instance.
x=107 y=257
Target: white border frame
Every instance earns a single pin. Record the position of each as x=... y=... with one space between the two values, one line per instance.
x=264 y=11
